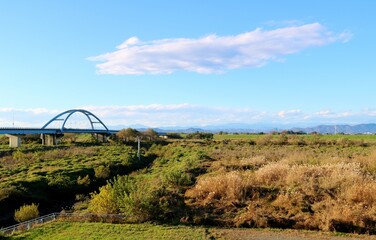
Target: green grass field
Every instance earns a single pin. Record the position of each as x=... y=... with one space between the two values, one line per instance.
x=76 y=230
x=85 y=231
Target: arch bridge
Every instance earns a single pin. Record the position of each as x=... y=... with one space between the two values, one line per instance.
x=50 y=135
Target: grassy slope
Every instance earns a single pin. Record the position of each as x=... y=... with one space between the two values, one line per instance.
x=47 y=175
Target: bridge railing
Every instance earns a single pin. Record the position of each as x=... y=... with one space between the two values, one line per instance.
x=27 y=225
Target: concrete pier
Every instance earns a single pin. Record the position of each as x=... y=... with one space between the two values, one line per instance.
x=49 y=139
x=14 y=140
x=102 y=137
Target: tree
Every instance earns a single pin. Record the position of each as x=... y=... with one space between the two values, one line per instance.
x=200 y=135
x=150 y=134
x=128 y=134
x=174 y=136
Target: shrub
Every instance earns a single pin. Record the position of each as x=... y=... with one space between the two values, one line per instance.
x=136 y=198
x=281 y=140
x=174 y=136
x=264 y=140
x=26 y=212
x=18 y=155
x=85 y=181
x=103 y=202
x=60 y=181
x=102 y=172
x=200 y=135
x=70 y=137
x=177 y=177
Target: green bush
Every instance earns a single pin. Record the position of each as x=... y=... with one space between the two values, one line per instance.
x=177 y=177
x=26 y=212
x=174 y=136
x=200 y=135
x=137 y=198
x=84 y=181
x=60 y=181
x=102 y=172
x=103 y=202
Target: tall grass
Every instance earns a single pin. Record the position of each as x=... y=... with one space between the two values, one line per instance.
x=330 y=187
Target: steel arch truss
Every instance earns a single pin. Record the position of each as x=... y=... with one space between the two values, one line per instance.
x=92 y=119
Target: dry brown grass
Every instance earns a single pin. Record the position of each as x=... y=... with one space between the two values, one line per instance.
x=227 y=188
x=332 y=188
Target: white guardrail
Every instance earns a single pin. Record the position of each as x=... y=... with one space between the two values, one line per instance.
x=27 y=225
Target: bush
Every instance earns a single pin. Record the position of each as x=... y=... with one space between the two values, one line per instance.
x=174 y=136
x=103 y=202
x=60 y=181
x=265 y=140
x=136 y=198
x=70 y=137
x=177 y=177
x=102 y=172
x=26 y=212
x=200 y=135
x=84 y=181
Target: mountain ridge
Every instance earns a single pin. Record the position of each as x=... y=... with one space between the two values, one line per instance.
x=364 y=128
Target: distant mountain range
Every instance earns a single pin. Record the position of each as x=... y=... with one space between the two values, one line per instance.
x=347 y=129
x=256 y=128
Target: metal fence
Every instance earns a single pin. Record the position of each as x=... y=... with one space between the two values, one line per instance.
x=27 y=225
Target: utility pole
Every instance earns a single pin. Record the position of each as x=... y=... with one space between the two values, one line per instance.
x=138 y=148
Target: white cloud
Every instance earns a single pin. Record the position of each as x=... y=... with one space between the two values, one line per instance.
x=159 y=115
x=129 y=42
x=324 y=113
x=30 y=110
x=293 y=112
x=333 y=115
x=29 y=117
x=212 y=53
x=155 y=115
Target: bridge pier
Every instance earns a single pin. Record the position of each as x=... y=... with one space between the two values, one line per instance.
x=14 y=140
x=49 y=139
x=101 y=137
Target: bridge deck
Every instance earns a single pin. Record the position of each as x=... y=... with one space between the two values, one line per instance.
x=19 y=131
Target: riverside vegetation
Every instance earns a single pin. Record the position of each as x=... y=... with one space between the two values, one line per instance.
x=267 y=181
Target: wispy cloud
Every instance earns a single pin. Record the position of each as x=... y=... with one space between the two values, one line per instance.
x=212 y=53
x=26 y=117
x=159 y=115
x=289 y=113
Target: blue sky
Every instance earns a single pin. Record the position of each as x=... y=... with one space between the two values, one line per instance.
x=189 y=63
